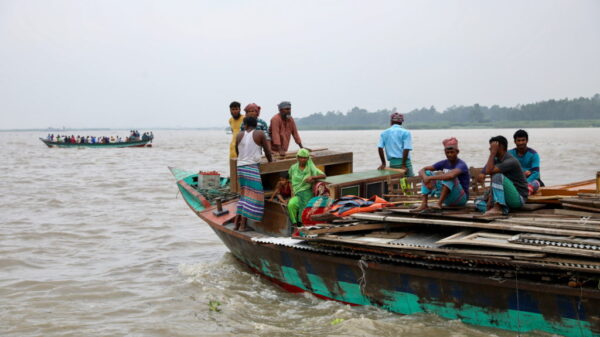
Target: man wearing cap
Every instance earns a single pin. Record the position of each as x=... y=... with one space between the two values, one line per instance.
x=282 y=128
x=397 y=143
x=253 y=110
x=452 y=186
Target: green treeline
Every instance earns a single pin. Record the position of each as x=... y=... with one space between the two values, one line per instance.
x=579 y=112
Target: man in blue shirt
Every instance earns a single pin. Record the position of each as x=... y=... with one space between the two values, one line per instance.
x=529 y=160
x=452 y=186
x=397 y=143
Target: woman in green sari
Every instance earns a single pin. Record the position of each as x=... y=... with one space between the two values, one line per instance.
x=302 y=175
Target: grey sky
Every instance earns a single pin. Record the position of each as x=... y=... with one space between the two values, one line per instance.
x=179 y=63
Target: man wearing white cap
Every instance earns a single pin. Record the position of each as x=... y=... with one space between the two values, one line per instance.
x=397 y=142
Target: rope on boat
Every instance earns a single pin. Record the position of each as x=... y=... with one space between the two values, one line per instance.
x=362 y=280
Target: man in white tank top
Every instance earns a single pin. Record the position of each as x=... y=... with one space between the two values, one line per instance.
x=249 y=146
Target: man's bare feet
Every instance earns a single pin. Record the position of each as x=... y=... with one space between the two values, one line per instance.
x=496 y=210
x=437 y=206
x=420 y=208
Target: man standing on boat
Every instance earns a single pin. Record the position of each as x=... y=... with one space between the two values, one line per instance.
x=282 y=128
x=249 y=146
x=397 y=143
x=234 y=123
x=509 y=187
x=253 y=110
x=452 y=186
x=529 y=160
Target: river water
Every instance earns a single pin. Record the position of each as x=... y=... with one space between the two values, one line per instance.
x=96 y=242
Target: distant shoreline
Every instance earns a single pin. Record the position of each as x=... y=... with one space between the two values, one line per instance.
x=489 y=125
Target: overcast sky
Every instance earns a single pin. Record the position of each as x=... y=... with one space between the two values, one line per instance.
x=123 y=64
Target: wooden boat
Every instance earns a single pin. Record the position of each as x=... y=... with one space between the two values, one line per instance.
x=139 y=143
x=537 y=270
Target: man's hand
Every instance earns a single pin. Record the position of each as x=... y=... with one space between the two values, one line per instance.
x=527 y=173
x=494 y=147
x=481 y=178
x=309 y=179
x=282 y=153
x=381 y=167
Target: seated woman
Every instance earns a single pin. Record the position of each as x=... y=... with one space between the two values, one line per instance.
x=283 y=190
x=302 y=175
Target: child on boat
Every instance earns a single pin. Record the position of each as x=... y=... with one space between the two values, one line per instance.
x=283 y=189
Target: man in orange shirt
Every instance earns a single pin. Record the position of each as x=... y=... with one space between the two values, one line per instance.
x=282 y=128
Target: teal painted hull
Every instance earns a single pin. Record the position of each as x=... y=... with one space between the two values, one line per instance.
x=399 y=286
x=141 y=143
x=519 y=306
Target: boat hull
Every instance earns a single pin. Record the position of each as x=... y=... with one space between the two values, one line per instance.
x=141 y=143
x=357 y=278
x=506 y=304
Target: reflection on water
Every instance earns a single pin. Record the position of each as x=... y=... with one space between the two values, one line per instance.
x=96 y=241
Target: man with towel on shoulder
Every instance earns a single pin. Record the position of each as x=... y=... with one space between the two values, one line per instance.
x=397 y=143
x=452 y=186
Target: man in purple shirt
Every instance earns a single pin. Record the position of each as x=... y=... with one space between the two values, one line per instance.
x=452 y=186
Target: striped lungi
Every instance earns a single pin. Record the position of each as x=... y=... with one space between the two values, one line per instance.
x=252 y=196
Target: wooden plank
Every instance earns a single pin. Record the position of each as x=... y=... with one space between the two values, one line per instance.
x=470 y=224
x=480 y=253
x=579 y=225
x=347 y=228
x=497 y=240
x=562 y=211
x=584 y=202
x=579 y=207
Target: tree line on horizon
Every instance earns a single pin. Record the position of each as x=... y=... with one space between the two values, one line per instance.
x=551 y=110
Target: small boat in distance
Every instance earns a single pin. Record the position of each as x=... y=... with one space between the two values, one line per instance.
x=137 y=143
x=133 y=141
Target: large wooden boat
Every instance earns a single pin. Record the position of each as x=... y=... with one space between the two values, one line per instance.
x=138 y=143
x=537 y=270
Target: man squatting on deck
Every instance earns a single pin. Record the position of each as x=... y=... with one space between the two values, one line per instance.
x=249 y=146
x=452 y=187
x=397 y=143
x=509 y=186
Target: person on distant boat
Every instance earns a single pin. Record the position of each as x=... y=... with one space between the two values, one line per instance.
x=235 y=123
x=529 y=160
x=451 y=187
x=253 y=110
x=302 y=175
x=282 y=128
x=397 y=143
x=248 y=147
x=509 y=186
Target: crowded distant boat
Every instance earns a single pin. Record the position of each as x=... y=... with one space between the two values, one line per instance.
x=135 y=139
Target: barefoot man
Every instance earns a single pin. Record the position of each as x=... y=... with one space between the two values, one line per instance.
x=509 y=186
x=249 y=146
x=452 y=186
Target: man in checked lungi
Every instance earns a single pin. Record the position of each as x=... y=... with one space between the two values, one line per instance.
x=452 y=185
x=509 y=186
x=249 y=146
